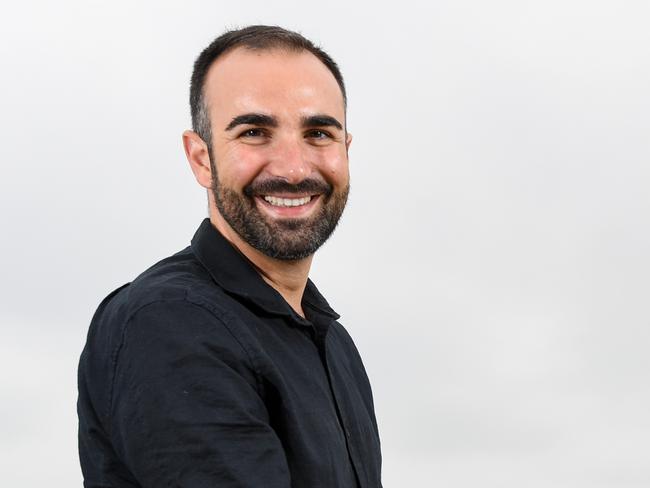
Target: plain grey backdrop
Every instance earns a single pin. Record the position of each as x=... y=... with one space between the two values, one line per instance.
x=493 y=263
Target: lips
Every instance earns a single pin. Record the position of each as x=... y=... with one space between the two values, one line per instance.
x=287 y=202
x=280 y=190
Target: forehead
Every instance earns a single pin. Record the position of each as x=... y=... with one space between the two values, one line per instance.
x=273 y=81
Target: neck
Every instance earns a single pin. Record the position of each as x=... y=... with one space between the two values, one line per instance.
x=288 y=278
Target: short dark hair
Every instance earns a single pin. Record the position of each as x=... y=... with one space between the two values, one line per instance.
x=254 y=37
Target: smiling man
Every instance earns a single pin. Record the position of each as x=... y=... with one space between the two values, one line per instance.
x=222 y=365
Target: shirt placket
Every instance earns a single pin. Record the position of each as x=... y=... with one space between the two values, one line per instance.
x=343 y=421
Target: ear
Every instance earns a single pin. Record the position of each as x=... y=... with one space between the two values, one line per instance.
x=348 y=141
x=196 y=151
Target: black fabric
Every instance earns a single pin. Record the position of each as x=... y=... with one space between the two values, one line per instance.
x=199 y=374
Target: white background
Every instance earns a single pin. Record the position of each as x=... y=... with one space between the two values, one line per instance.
x=493 y=264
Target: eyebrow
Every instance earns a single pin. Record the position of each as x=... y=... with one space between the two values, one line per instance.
x=321 y=120
x=253 y=119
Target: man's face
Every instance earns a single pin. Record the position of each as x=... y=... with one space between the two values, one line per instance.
x=279 y=149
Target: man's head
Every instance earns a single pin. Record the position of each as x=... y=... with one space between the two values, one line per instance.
x=269 y=139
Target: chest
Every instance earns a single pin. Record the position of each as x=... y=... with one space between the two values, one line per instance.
x=317 y=396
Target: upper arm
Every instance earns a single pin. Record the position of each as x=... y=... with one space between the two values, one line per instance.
x=185 y=407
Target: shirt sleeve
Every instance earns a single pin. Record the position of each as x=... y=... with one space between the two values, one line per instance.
x=185 y=408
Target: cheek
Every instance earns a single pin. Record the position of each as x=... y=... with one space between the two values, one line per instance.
x=335 y=167
x=239 y=166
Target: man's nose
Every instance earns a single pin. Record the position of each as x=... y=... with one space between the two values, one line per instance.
x=290 y=160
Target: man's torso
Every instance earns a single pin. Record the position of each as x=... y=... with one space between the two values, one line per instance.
x=198 y=372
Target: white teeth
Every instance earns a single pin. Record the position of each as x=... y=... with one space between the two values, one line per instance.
x=287 y=202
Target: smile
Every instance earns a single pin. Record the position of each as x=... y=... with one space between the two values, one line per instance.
x=287 y=202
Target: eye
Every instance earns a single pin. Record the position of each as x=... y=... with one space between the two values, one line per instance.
x=319 y=134
x=255 y=132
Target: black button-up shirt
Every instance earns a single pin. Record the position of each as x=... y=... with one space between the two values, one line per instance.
x=199 y=374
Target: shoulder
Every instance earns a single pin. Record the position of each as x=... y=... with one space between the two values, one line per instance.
x=343 y=338
x=175 y=299
x=174 y=280
x=172 y=317
x=176 y=284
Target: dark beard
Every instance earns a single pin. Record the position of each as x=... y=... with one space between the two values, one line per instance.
x=285 y=239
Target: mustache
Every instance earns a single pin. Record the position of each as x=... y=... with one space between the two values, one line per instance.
x=309 y=185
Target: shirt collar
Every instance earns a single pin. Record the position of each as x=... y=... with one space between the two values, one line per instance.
x=234 y=272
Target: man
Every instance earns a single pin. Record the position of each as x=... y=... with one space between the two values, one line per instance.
x=222 y=365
